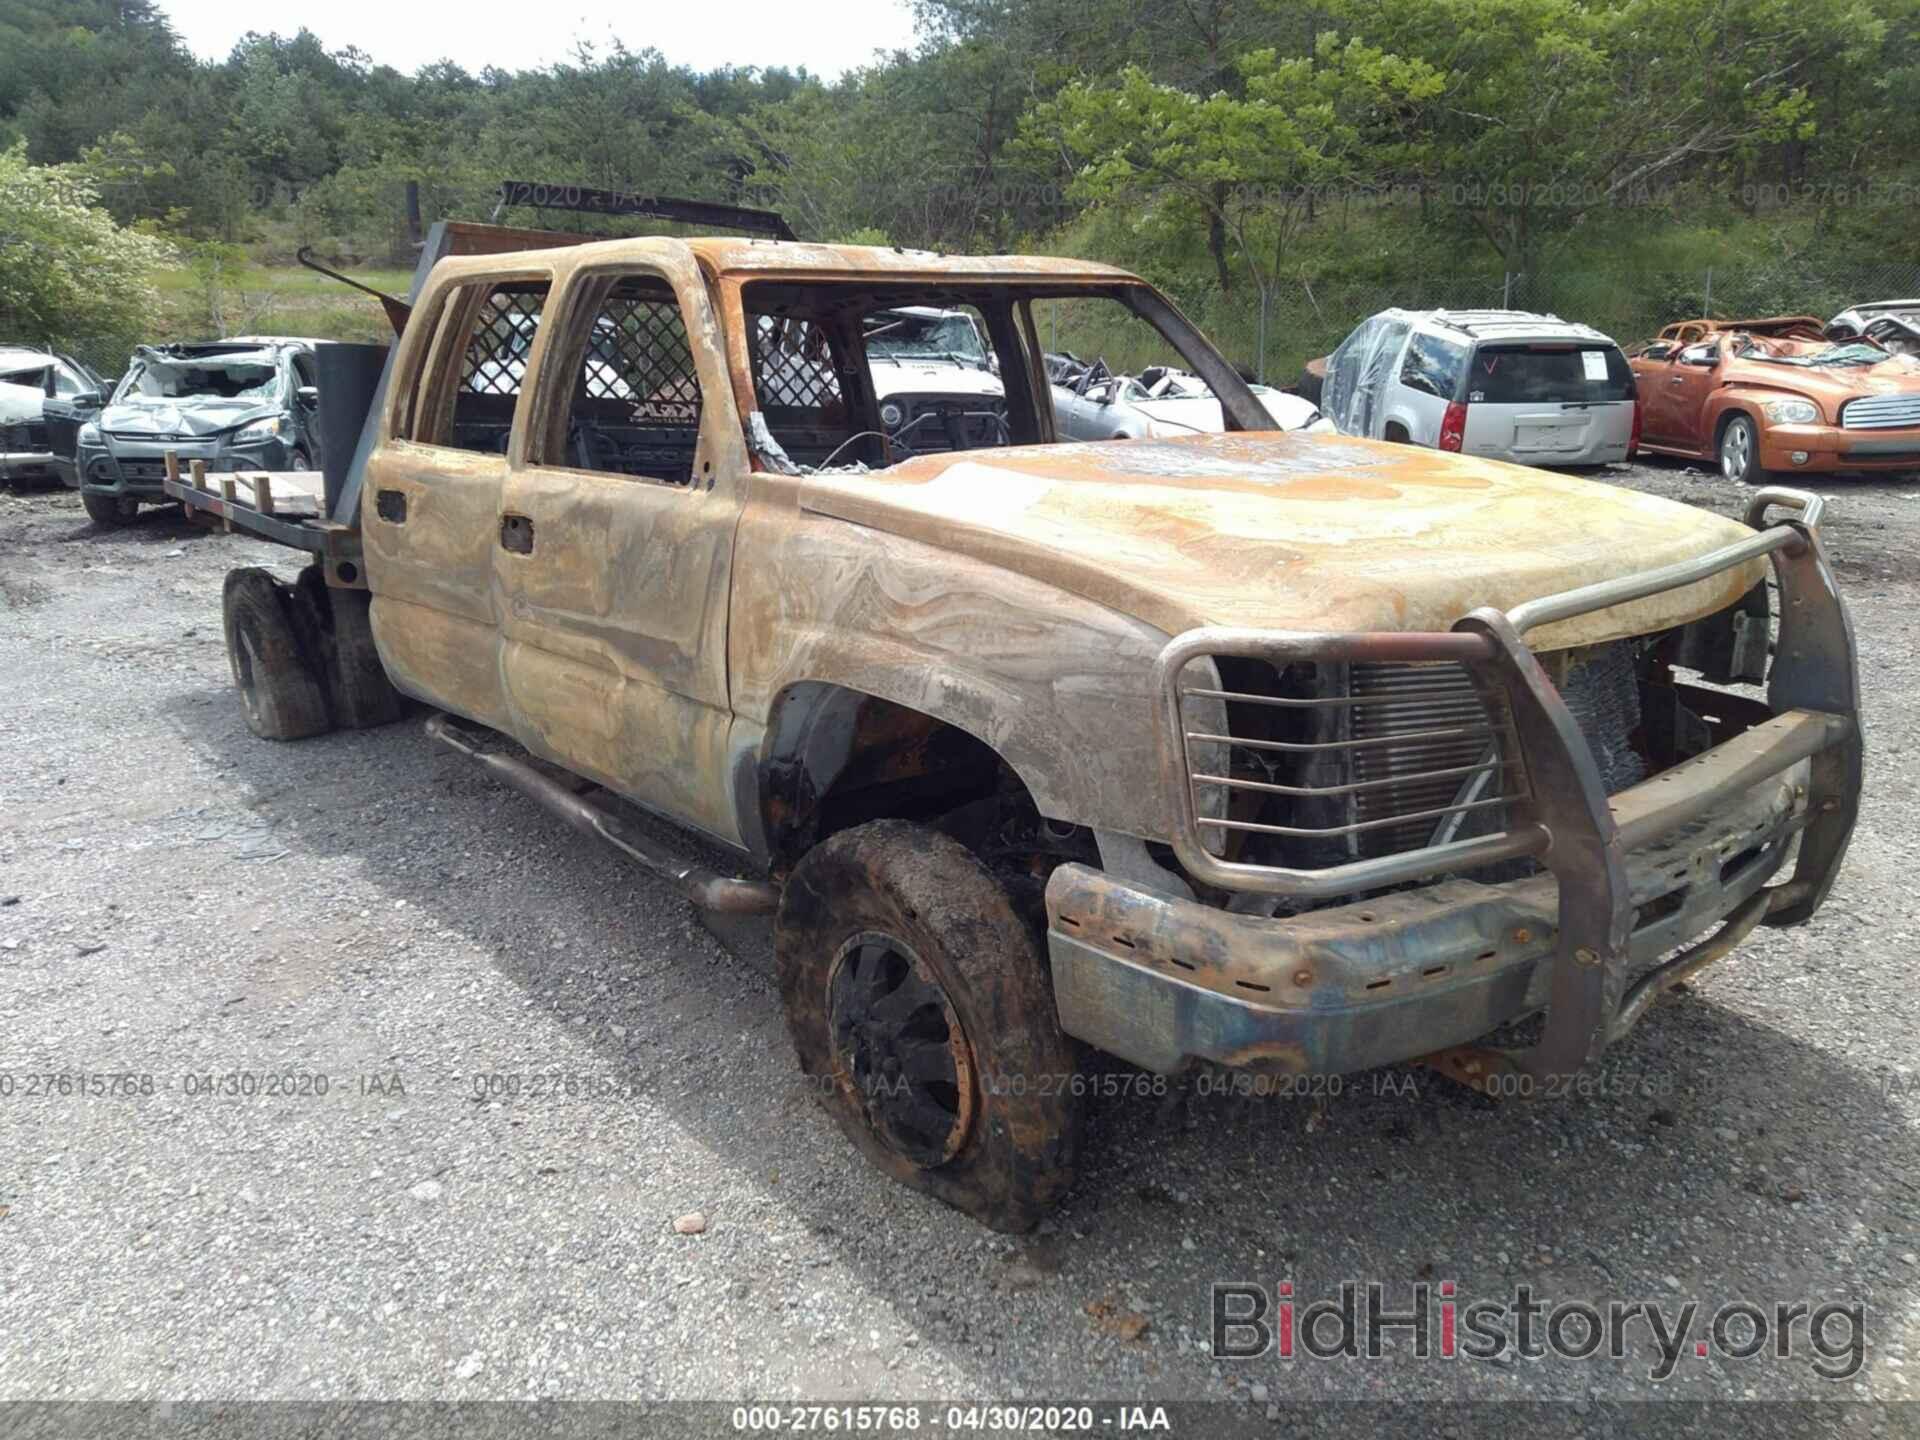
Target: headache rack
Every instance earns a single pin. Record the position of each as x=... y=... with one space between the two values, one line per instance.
x=1551 y=804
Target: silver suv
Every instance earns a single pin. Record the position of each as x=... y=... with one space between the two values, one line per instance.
x=1502 y=383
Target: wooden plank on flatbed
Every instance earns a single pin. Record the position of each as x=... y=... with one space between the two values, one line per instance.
x=285 y=506
x=295 y=494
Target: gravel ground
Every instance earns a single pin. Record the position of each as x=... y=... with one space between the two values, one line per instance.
x=182 y=900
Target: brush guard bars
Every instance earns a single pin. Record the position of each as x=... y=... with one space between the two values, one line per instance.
x=1559 y=813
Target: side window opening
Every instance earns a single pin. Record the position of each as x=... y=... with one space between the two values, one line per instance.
x=1434 y=365
x=635 y=402
x=476 y=412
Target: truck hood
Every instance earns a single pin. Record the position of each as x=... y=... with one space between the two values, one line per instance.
x=1295 y=531
x=181 y=418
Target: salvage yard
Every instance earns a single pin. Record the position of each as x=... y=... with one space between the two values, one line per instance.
x=369 y=1079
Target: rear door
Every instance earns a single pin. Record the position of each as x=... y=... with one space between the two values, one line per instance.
x=1564 y=402
x=430 y=505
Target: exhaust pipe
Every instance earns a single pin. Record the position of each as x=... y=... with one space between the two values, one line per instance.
x=723 y=894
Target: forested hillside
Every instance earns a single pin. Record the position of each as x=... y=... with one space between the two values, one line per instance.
x=1313 y=154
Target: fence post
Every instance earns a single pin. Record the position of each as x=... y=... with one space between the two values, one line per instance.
x=1506 y=291
x=1260 y=360
x=1706 y=307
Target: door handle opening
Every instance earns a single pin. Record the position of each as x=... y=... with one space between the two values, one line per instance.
x=516 y=534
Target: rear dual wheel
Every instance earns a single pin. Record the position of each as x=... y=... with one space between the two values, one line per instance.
x=922 y=1014
x=302 y=656
x=280 y=690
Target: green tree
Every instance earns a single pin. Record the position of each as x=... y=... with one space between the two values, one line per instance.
x=1246 y=163
x=67 y=271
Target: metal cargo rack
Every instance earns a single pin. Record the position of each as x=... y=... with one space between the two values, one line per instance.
x=288 y=507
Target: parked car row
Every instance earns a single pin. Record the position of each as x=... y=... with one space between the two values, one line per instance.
x=1772 y=395
x=246 y=403
x=38 y=389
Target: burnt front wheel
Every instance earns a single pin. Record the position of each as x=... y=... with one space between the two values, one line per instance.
x=923 y=1016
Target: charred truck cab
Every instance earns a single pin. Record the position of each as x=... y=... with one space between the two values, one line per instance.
x=1288 y=752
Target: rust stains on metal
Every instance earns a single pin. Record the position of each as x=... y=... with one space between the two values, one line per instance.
x=1316 y=532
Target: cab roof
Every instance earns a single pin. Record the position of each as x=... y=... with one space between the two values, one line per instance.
x=745 y=256
x=748 y=257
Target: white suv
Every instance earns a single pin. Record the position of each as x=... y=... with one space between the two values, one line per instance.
x=1502 y=383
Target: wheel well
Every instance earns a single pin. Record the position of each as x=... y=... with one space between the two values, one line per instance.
x=1726 y=419
x=1396 y=431
x=836 y=758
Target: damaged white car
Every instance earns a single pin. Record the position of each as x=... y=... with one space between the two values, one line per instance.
x=1092 y=403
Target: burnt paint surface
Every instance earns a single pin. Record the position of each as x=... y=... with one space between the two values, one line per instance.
x=652 y=635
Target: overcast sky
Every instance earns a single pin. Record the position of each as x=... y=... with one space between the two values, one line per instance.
x=827 y=40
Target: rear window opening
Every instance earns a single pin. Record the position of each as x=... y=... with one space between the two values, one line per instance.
x=1547 y=373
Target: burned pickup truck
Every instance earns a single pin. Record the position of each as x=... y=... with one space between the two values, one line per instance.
x=1290 y=753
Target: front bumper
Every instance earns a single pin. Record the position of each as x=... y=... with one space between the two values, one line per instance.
x=1164 y=981
x=1828 y=448
x=135 y=469
x=29 y=465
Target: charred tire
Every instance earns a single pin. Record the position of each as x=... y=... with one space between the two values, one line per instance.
x=279 y=686
x=921 y=1011
x=336 y=631
x=1740 y=451
x=109 y=512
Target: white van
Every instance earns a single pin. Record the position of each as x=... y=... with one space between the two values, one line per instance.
x=1502 y=383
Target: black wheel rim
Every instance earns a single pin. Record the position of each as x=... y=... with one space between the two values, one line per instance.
x=898 y=1049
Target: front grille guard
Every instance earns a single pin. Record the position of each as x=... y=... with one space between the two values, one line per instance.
x=1560 y=814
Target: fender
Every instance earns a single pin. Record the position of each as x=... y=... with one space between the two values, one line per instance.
x=837 y=616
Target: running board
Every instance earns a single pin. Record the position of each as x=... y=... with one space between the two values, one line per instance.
x=727 y=895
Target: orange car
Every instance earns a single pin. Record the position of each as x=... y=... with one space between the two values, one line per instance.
x=1768 y=403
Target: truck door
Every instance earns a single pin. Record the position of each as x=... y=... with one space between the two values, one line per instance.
x=613 y=555
x=430 y=506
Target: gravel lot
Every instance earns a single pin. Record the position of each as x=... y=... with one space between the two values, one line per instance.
x=182 y=900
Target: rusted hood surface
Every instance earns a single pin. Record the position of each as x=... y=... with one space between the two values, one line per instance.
x=1295 y=532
